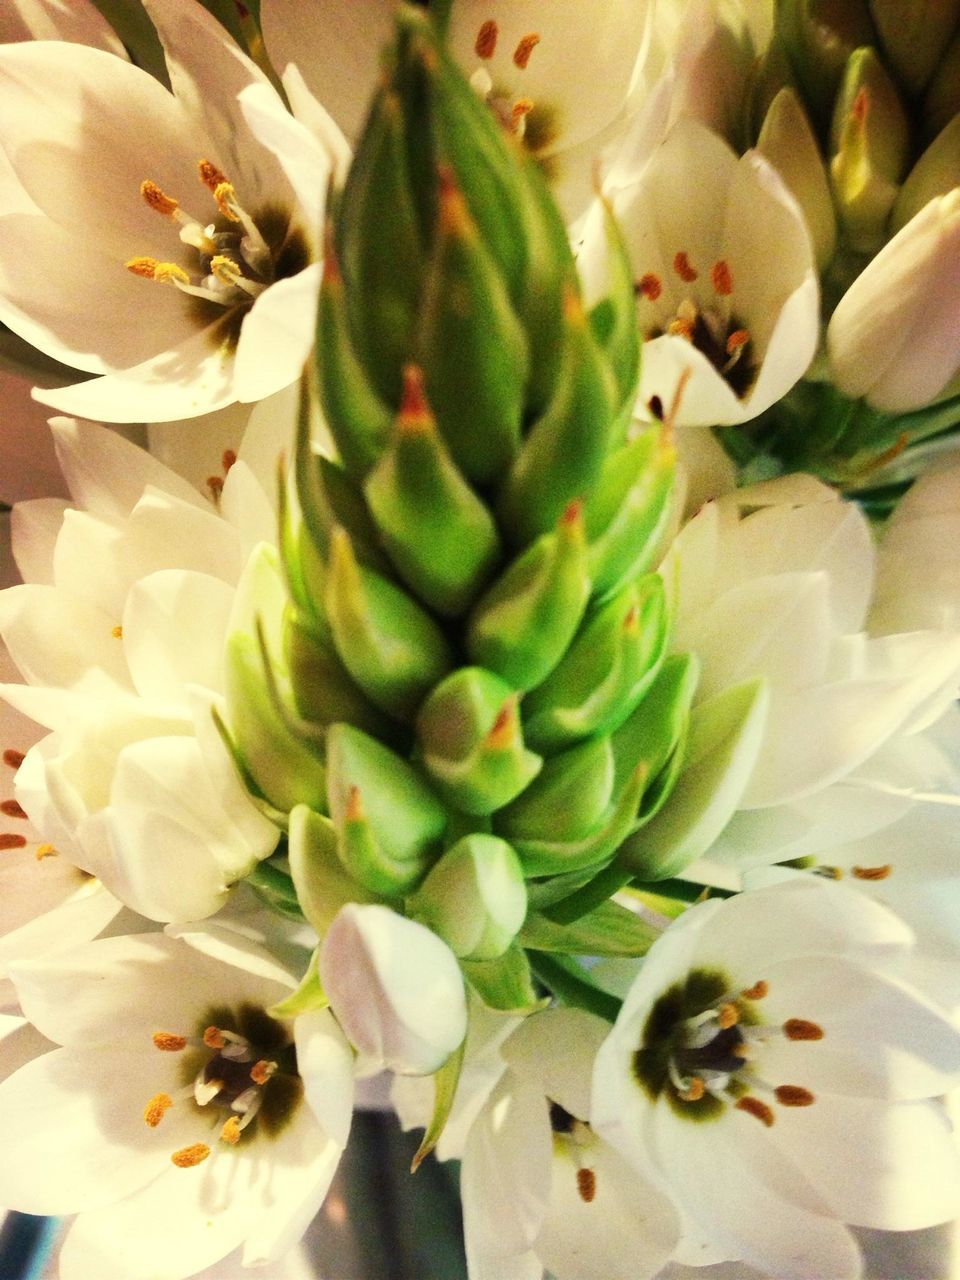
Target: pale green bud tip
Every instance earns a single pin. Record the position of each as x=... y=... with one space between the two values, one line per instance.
x=475 y=897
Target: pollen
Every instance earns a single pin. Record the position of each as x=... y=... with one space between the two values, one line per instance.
x=11 y=809
x=169 y=1042
x=873 y=873
x=214 y=1038
x=737 y=341
x=728 y=1015
x=756 y=1108
x=694 y=1090
x=261 y=1071
x=793 y=1095
x=9 y=840
x=485 y=44
x=145 y=267
x=684 y=268
x=526 y=46
x=757 y=991
x=231 y=1131
x=802 y=1029
x=45 y=851
x=722 y=278
x=586 y=1185
x=225 y=269
x=187 y=1157
x=226 y=198
x=157 y=1108
x=649 y=286
x=210 y=175
x=13 y=759
x=117 y=632
x=157 y=199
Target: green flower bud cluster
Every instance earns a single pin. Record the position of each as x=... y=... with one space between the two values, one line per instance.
x=474 y=651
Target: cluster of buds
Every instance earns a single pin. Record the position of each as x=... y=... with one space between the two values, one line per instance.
x=464 y=702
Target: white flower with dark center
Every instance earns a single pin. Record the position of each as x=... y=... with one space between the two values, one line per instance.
x=725 y=280
x=541 y=1189
x=127 y=201
x=180 y=1118
x=765 y=1073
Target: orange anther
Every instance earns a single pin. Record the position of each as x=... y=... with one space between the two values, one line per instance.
x=214 y=1038
x=793 y=1095
x=757 y=991
x=586 y=1185
x=156 y=1108
x=13 y=758
x=11 y=809
x=231 y=1131
x=187 y=1157
x=521 y=54
x=157 y=199
x=649 y=286
x=722 y=278
x=728 y=1015
x=684 y=268
x=739 y=338
x=10 y=841
x=210 y=175
x=261 y=1071
x=486 y=42
x=169 y=1042
x=873 y=873
x=694 y=1090
x=754 y=1107
x=802 y=1029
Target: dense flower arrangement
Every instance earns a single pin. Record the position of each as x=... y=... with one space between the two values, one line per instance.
x=524 y=660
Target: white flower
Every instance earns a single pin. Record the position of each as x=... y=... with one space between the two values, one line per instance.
x=185 y=288
x=395 y=987
x=119 y=633
x=893 y=336
x=778 y=1086
x=725 y=280
x=540 y=1188
x=79 y=21
x=179 y=1119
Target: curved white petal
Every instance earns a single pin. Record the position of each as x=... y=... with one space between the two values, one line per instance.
x=79 y=21
x=277 y=335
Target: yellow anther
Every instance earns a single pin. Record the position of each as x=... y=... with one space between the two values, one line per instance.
x=157 y=199
x=145 y=267
x=157 y=1108
x=261 y=1071
x=226 y=198
x=169 y=1042
x=728 y=1015
x=170 y=273
x=117 y=632
x=210 y=175
x=526 y=46
x=681 y=328
x=694 y=1090
x=231 y=1131
x=187 y=1157
x=45 y=851
x=225 y=269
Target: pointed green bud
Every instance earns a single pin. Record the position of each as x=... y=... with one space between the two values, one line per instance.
x=439 y=535
x=870 y=140
x=630 y=510
x=936 y=173
x=475 y=897
x=562 y=456
x=359 y=420
x=942 y=101
x=391 y=647
x=915 y=34
x=788 y=142
x=388 y=821
x=609 y=666
x=469 y=734
x=567 y=800
x=613 y=320
x=608 y=930
x=522 y=625
x=322 y=687
x=322 y=884
x=471 y=345
x=380 y=248
x=557 y=857
x=819 y=36
x=652 y=733
x=726 y=734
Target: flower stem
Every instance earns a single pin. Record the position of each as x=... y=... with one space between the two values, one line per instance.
x=569 y=981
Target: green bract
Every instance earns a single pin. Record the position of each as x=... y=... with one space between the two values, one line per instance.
x=474 y=633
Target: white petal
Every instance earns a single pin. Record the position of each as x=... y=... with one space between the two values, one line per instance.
x=79 y=21
x=325 y=1064
x=195 y=449
x=305 y=163
x=277 y=335
x=55 y=639
x=245 y=504
x=34 y=529
x=174 y=625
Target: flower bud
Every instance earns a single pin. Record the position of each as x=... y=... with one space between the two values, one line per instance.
x=788 y=142
x=915 y=34
x=893 y=339
x=936 y=173
x=395 y=988
x=475 y=897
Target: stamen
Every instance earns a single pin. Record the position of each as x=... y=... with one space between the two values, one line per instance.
x=754 y=1107
x=210 y=175
x=793 y=1095
x=649 y=286
x=45 y=851
x=253 y=246
x=117 y=632
x=521 y=54
x=737 y=341
x=213 y=1038
x=11 y=809
x=10 y=841
x=158 y=200
x=681 y=328
x=728 y=1015
x=586 y=1185
x=157 y=1108
x=14 y=759
x=229 y=273
x=722 y=278
x=231 y=1131
x=247 y=1103
x=204 y=1091
x=226 y=198
x=684 y=269
x=802 y=1029
x=486 y=42
x=694 y=1091
x=169 y=1042
x=228 y=458
x=827 y=873
x=757 y=991
x=187 y=1157
x=872 y=873
x=519 y=112
x=215 y=485
x=163 y=272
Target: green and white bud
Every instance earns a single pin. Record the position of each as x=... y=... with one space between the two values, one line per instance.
x=475 y=897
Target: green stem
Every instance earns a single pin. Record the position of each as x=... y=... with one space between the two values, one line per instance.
x=440 y=13
x=570 y=982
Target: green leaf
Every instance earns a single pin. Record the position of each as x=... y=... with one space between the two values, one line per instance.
x=445 y=1083
x=608 y=930
x=307 y=997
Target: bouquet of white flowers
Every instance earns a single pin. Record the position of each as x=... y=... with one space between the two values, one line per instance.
x=508 y=637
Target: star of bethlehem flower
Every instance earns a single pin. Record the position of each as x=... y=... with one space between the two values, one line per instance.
x=193 y=211
x=777 y=1086
x=180 y=1118
x=118 y=632
x=725 y=281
